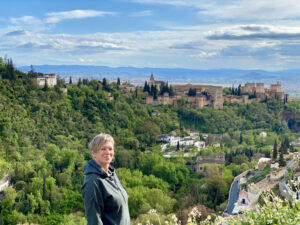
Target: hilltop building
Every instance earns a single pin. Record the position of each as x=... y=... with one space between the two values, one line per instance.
x=128 y=88
x=213 y=95
x=252 y=91
x=218 y=158
x=49 y=79
x=156 y=83
x=204 y=95
x=260 y=92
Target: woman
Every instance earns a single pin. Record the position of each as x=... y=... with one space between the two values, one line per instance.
x=105 y=199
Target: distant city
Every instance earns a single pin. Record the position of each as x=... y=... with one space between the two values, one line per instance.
x=289 y=79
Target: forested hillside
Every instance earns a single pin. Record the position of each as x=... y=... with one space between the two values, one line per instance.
x=44 y=134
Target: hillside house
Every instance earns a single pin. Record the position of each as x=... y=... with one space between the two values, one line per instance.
x=263 y=134
x=128 y=88
x=49 y=79
x=163 y=147
x=218 y=158
x=199 y=144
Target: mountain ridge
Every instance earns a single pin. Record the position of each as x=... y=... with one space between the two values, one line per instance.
x=290 y=79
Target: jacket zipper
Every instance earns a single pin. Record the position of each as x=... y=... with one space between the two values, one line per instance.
x=119 y=189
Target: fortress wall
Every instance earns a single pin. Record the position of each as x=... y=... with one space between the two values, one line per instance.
x=260 y=88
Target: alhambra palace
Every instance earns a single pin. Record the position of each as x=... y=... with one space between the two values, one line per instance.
x=213 y=95
x=204 y=95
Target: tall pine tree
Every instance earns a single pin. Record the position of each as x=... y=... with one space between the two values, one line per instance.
x=275 y=151
x=281 y=159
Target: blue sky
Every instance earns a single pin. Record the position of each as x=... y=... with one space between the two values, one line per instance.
x=198 y=34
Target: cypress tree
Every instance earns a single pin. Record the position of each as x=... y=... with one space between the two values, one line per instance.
x=79 y=82
x=146 y=87
x=286 y=145
x=10 y=72
x=105 y=84
x=239 y=90
x=241 y=138
x=155 y=92
x=281 y=160
x=46 y=88
x=171 y=93
x=275 y=150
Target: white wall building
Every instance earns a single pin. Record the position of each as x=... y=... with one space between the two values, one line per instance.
x=263 y=134
x=174 y=141
x=199 y=144
x=194 y=134
x=275 y=165
x=263 y=160
x=186 y=142
x=50 y=79
x=163 y=147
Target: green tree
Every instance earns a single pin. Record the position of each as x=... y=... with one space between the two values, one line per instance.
x=281 y=159
x=46 y=86
x=79 y=82
x=275 y=151
x=6 y=206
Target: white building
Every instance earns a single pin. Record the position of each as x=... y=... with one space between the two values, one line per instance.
x=199 y=144
x=275 y=165
x=50 y=79
x=186 y=142
x=263 y=160
x=194 y=134
x=174 y=140
x=167 y=156
x=263 y=134
x=163 y=147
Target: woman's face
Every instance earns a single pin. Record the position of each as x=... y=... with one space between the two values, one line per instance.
x=105 y=154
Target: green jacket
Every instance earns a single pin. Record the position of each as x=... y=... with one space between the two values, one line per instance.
x=105 y=199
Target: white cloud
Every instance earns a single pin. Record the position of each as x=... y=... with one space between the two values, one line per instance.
x=25 y=19
x=142 y=13
x=187 y=47
x=55 y=17
x=252 y=32
x=28 y=22
x=194 y=3
x=252 y=10
x=237 y=10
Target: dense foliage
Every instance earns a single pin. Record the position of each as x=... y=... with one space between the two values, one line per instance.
x=44 y=134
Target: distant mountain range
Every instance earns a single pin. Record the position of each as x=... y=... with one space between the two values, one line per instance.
x=290 y=79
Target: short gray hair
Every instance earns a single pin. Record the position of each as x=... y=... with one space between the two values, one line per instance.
x=99 y=140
